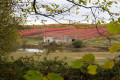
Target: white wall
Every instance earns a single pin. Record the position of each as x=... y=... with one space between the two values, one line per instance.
x=45 y=39
x=57 y=40
x=66 y=40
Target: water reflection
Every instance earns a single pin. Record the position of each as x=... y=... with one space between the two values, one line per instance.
x=32 y=50
x=58 y=50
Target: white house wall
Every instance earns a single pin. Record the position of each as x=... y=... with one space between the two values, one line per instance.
x=51 y=39
x=66 y=40
x=57 y=40
x=48 y=38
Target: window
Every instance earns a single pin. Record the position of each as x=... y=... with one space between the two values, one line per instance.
x=73 y=40
x=48 y=41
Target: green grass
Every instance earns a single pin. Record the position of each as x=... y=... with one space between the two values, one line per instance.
x=101 y=57
x=34 y=41
x=31 y=40
x=96 y=42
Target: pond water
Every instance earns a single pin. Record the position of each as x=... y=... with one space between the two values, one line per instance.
x=31 y=50
x=58 y=50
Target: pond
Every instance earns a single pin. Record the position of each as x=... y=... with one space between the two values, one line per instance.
x=31 y=50
x=57 y=50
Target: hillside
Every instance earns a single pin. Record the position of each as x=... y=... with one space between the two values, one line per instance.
x=60 y=32
x=61 y=26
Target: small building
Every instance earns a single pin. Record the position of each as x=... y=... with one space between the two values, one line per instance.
x=48 y=39
x=58 y=39
x=68 y=39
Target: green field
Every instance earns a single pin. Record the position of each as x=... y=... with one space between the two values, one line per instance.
x=100 y=57
x=34 y=41
x=95 y=45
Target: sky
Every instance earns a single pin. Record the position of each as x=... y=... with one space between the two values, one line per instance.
x=66 y=17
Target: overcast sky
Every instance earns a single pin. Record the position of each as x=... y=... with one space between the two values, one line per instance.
x=32 y=18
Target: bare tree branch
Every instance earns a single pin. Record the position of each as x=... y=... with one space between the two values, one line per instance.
x=97 y=27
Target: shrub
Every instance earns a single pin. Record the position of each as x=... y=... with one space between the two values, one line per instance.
x=24 y=41
x=15 y=70
x=77 y=44
x=61 y=44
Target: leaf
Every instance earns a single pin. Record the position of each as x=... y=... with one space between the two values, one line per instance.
x=96 y=3
x=92 y=69
x=31 y=4
x=119 y=20
x=54 y=76
x=77 y=13
x=80 y=1
x=109 y=65
x=37 y=7
x=104 y=0
x=73 y=1
x=89 y=1
x=77 y=64
x=33 y=75
x=57 y=6
x=88 y=57
x=52 y=5
x=28 y=9
x=115 y=2
x=77 y=8
x=112 y=28
x=84 y=2
x=102 y=21
x=32 y=9
x=44 y=78
x=110 y=3
x=2 y=5
x=114 y=48
x=48 y=9
x=69 y=21
x=98 y=22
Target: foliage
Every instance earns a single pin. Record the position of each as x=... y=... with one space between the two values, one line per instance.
x=114 y=48
x=61 y=44
x=24 y=42
x=109 y=64
x=88 y=57
x=113 y=27
x=92 y=69
x=77 y=64
x=53 y=76
x=77 y=44
x=16 y=69
x=32 y=74
x=9 y=25
x=28 y=68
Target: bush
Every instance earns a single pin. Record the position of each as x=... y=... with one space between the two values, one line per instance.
x=77 y=44
x=15 y=70
x=24 y=41
x=60 y=44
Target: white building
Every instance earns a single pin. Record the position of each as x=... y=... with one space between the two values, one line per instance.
x=58 y=39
